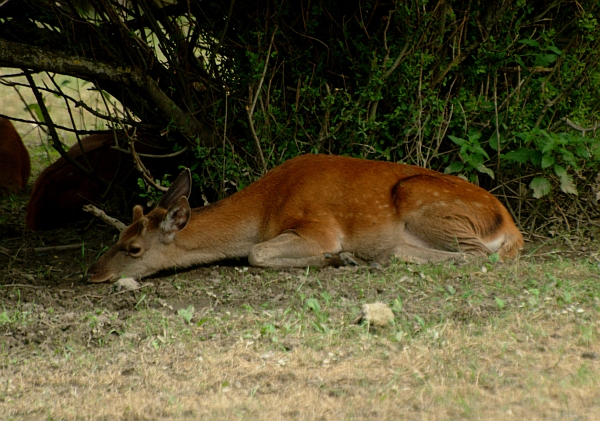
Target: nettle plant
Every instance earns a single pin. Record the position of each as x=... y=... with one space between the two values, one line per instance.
x=557 y=154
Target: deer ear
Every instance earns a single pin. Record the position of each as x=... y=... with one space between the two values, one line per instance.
x=180 y=187
x=177 y=218
x=138 y=213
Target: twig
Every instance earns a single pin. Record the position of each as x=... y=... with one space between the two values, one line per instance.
x=575 y=126
x=141 y=168
x=42 y=249
x=148 y=155
x=99 y=213
x=253 y=106
x=563 y=214
x=53 y=134
x=21 y=286
x=225 y=138
x=388 y=72
x=498 y=149
x=222 y=37
x=144 y=285
x=55 y=248
x=66 y=129
x=83 y=153
x=78 y=104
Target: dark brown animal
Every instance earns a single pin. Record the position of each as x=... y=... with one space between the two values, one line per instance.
x=314 y=210
x=15 y=165
x=61 y=190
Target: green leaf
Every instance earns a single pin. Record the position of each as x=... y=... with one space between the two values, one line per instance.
x=475 y=136
x=568 y=157
x=520 y=62
x=560 y=171
x=482 y=168
x=187 y=313
x=313 y=304
x=536 y=158
x=456 y=166
x=521 y=155
x=540 y=186
x=459 y=141
x=37 y=110
x=500 y=303
x=529 y=42
x=583 y=152
x=397 y=305
x=479 y=150
x=545 y=59
x=566 y=181
x=547 y=161
x=555 y=50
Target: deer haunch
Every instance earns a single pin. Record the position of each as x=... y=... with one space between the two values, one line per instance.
x=61 y=190
x=310 y=211
x=15 y=165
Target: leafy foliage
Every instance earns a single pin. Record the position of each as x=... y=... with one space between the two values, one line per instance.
x=499 y=92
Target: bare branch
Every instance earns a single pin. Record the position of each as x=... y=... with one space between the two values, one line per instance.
x=14 y=54
x=52 y=131
x=253 y=105
x=142 y=168
x=99 y=213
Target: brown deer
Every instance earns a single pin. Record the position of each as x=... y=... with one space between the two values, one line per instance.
x=61 y=189
x=15 y=166
x=315 y=210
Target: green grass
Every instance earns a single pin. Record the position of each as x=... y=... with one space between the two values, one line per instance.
x=466 y=343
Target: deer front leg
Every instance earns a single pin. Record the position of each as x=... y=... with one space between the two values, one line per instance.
x=293 y=250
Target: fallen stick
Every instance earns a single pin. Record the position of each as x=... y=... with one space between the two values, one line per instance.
x=99 y=213
x=53 y=248
x=41 y=249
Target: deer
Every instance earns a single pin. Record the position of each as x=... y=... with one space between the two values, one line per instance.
x=15 y=166
x=315 y=211
x=61 y=190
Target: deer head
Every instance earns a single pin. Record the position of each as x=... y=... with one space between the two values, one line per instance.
x=146 y=246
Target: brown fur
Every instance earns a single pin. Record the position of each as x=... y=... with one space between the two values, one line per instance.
x=61 y=190
x=315 y=207
x=15 y=165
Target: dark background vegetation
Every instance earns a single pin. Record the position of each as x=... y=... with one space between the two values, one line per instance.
x=505 y=93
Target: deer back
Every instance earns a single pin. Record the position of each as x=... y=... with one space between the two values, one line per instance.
x=61 y=189
x=15 y=165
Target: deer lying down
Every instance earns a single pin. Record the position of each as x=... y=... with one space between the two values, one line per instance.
x=15 y=165
x=311 y=209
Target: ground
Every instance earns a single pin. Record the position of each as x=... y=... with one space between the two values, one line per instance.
x=482 y=340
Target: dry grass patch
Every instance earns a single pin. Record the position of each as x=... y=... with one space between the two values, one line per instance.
x=491 y=373
x=209 y=344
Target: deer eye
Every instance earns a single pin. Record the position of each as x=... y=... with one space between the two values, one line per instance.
x=134 y=250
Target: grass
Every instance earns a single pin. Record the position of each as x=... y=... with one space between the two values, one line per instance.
x=468 y=343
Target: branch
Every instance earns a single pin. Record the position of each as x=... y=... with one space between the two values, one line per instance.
x=141 y=167
x=253 y=105
x=99 y=213
x=575 y=126
x=149 y=155
x=78 y=103
x=14 y=54
x=52 y=131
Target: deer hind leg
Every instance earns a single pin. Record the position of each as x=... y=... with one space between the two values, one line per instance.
x=435 y=238
x=293 y=249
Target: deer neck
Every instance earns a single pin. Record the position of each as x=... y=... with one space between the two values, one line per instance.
x=227 y=229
